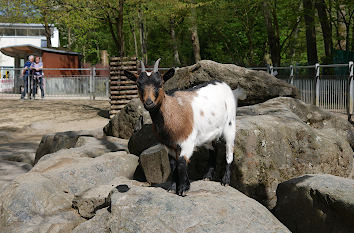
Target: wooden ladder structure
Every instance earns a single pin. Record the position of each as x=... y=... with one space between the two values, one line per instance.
x=122 y=90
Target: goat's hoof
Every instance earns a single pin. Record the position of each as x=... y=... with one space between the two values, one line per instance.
x=208 y=177
x=182 y=190
x=225 y=181
x=172 y=188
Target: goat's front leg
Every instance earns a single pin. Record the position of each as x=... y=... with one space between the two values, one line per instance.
x=183 y=183
x=174 y=174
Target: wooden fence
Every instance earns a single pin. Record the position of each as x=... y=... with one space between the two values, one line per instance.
x=122 y=90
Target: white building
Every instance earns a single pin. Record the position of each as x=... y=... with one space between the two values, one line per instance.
x=21 y=34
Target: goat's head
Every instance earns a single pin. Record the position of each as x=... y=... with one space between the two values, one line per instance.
x=150 y=85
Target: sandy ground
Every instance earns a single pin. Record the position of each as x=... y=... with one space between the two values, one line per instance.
x=24 y=122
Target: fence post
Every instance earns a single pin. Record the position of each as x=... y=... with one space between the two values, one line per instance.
x=317 y=96
x=351 y=91
x=92 y=83
x=291 y=74
x=271 y=70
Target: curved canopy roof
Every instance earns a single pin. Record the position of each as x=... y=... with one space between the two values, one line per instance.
x=27 y=49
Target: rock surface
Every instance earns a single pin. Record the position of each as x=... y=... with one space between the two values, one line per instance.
x=316 y=203
x=41 y=200
x=275 y=141
x=259 y=85
x=122 y=125
x=155 y=164
x=209 y=207
x=51 y=143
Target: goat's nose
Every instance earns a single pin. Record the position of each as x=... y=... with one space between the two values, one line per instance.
x=148 y=102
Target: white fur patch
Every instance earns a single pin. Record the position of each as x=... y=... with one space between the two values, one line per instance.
x=217 y=102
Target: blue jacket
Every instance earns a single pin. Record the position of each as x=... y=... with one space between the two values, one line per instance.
x=27 y=65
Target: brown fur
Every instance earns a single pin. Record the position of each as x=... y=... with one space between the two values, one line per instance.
x=149 y=93
x=178 y=118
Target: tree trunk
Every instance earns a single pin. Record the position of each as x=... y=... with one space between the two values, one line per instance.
x=132 y=28
x=69 y=38
x=309 y=13
x=48 y=33
x=341 y=28
x=120 y=29
x=273 y=35
x=194 y=35
x=113 y=34
x=142 y=37
x=326 y=29
x=174 y=42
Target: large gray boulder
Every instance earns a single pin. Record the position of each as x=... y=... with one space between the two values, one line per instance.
x=284 y=138
x=209 y=207
x=275 y=141
x=123 y=124
x=259 y=85
x=51 y=143
x=41 y=200
x=316 y=203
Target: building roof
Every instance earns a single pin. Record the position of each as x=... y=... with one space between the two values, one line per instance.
x=27 y=49
x=22 y=25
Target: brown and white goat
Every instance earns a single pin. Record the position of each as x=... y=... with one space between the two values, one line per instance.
x=186 y=119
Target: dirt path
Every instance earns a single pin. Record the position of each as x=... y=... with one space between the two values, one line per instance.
x=23 y=123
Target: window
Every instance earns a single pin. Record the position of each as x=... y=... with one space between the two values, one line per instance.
x=9 y=32
x=21 y=32
x=33 y=32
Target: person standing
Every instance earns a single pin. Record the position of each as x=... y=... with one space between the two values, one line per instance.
x=26 y=74
x=37 y=67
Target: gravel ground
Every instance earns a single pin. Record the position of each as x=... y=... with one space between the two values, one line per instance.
x=24 y=122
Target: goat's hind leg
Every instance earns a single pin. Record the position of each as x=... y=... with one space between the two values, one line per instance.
x=229 y=135
x=211 y=162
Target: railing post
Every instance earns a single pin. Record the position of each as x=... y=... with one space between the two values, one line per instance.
x=351 y=91
x=271 y=70
x=291 y=74
x=91 y=83
x=317 y=95
x=94 y=83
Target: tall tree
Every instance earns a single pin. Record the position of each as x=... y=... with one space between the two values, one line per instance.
x=174 y=42
x=272 y=32
x=309 y=14
x=326 y=29
x=194 y=33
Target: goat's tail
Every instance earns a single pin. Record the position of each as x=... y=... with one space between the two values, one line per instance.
x=239 y=94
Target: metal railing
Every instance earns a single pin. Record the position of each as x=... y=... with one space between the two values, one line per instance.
x=61 y=82
x=328 y=89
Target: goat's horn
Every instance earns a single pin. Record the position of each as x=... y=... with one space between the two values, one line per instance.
x=156 y=66
x=142 y=66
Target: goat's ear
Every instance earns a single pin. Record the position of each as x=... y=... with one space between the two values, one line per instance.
x=131 y=75
x=169 y=74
